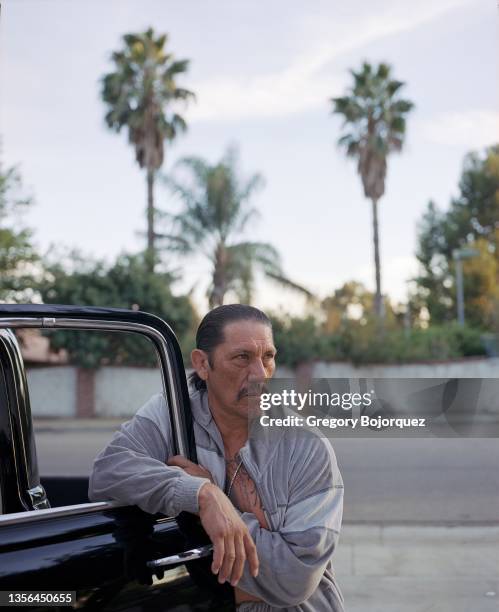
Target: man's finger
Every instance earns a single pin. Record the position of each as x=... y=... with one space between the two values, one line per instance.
x=238 y=567
x=229 y=558
x=218 y=555
x=251 y=555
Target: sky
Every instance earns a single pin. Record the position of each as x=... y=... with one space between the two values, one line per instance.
x=263 y=74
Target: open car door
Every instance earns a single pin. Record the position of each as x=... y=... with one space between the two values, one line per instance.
x=104 y=552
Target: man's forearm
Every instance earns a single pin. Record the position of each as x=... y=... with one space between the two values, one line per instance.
x=232 y=542
x=131 y=469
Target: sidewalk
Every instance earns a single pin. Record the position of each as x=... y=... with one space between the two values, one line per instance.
x=51 y=424
x=416 y=568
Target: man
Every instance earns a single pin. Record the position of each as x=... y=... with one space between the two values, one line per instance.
x=271 y=503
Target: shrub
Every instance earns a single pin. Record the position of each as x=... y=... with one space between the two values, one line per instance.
x=304 y=340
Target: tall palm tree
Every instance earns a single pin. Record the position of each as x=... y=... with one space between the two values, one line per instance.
x=215 y=215
x=374 y=126
x=139 y=94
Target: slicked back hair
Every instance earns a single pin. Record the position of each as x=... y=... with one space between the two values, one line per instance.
x=210 y=332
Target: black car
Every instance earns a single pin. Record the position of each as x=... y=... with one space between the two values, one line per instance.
x=51 y=537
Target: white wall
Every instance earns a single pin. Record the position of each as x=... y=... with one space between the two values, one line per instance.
x=465 y=368
x=120 y=391
x=52 y=391
x=472 y=368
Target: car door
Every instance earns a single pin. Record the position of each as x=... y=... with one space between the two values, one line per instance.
x=104 y=552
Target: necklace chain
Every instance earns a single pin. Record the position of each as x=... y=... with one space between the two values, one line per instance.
x=234 y=478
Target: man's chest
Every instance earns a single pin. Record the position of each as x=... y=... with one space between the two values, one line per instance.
x=259 y=486
x=243 y=491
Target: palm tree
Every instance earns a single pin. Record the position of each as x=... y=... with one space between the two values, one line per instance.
x=375 y=125
x=139 y=94
x=216 y=212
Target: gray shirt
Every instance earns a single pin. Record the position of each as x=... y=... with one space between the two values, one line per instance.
x=295 y=473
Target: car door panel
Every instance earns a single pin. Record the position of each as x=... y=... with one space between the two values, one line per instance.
x=98 y=550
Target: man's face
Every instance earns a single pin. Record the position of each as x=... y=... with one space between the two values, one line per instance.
x=246 y=356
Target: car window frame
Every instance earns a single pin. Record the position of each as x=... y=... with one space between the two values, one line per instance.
x=16 y=518
x=172 y=393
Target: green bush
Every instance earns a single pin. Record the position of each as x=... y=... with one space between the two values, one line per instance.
x=304 y=340
x=126 y=283
x=296 y=340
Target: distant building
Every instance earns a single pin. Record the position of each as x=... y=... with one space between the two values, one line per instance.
x=35 y=348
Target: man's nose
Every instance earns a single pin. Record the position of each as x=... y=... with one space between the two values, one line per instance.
x=257 y=371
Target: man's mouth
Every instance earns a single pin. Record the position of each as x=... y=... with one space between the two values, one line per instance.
x=244 y=393
x=255 y=390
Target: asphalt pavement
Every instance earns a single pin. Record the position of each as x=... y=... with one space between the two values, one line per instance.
x=387 y=480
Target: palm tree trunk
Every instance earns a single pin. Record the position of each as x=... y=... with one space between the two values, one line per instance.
x=219 y=278
x=378 y=306
x=216 y=297
x=150 y=255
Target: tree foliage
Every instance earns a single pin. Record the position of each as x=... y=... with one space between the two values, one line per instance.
x=127 y=283
x=16 y=248
x=345 y=329
x=215 y=216
x=472 y=220
x=352 y=301
x=300 y=340
x=306 y=340
x=374 y=126
x=142 y=95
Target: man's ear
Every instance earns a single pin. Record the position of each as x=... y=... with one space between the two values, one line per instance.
x=199 y=360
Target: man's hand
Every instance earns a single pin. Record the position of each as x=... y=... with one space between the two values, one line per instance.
x=188 y=466
x=232 y=542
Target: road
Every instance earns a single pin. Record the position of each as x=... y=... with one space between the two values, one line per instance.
x=415 y=480
x=420 y=480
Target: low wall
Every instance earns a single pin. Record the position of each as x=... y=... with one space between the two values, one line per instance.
x=52 y=391
x=463 y=368
x=66 y=391
x=108 y=392
x=485 y=401
x=122 y=391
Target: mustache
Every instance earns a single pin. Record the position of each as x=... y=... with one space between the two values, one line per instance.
x=253 y=390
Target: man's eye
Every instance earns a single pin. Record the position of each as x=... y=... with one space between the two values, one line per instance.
x=242 y=357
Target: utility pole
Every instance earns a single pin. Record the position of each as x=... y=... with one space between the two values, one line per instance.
x=459 y=255
x=459 y=290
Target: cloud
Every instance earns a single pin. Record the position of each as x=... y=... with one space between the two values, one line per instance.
x=473 y=129
x=304 y=84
